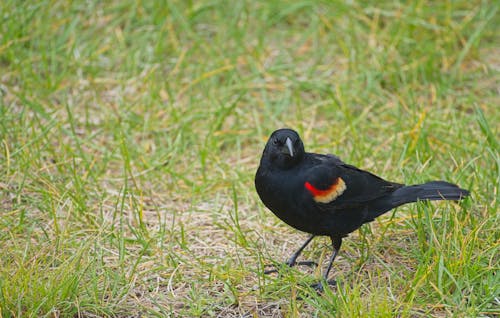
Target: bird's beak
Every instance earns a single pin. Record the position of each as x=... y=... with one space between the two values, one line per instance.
x=289 y=146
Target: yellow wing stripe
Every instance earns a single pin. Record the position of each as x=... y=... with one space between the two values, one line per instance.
x=327 y=195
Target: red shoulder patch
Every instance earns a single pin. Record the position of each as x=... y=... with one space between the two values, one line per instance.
x=327 y=195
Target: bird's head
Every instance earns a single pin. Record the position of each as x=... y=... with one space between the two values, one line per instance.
x=284 y=149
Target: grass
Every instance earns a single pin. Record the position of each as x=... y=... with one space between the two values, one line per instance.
x=130 y=132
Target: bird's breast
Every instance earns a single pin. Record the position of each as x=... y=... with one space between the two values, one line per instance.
x=284 y=194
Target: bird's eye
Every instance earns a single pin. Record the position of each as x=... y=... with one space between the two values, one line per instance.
x=276 y=141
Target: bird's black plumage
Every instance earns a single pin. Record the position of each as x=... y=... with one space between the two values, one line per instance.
x=321 y=195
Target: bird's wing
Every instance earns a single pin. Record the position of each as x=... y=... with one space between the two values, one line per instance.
x=340 y=184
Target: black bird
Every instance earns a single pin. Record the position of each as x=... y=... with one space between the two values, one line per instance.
x=321 y=195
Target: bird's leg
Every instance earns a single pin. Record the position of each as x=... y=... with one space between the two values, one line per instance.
x=336 y=243
x=292 y=261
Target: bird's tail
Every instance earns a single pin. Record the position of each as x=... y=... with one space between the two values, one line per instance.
x=433 y=191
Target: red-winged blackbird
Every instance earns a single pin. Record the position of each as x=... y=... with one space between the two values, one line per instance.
x=321 y=195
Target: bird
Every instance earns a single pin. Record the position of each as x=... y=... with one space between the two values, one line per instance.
x=321 y=195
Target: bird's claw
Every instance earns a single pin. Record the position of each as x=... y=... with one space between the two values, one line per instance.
x=290 y=264
x=270 y=271
x=306 y=263
x=320 y=286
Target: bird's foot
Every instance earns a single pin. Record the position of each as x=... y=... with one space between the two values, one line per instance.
x=270 y=271
x=304 y=263
x=290 y=263
x=320 y=286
